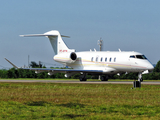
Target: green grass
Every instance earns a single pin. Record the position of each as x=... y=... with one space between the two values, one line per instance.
x=78 y=101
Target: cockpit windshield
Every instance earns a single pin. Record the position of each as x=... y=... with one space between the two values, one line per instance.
x=138 y=56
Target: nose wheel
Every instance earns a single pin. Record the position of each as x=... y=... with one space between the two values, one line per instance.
x=137 y=84
x=141 y=80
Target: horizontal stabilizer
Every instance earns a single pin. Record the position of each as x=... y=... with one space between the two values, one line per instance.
x=41 y=35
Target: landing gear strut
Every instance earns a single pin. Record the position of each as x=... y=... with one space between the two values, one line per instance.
x=140 y=77
x=83 y=77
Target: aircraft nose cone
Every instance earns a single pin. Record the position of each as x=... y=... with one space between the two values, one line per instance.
x=150 y=67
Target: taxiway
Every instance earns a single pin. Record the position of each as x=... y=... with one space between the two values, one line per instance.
x=79 y=82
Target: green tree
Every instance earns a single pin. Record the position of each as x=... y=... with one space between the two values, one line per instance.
x=12 y=73
x=35 y=65
x=3 y=73
x=157 y=67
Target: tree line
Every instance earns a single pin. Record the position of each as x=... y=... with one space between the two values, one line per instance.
x=21 y=73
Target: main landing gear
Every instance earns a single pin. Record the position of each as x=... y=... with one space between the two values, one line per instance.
x=104 y=78
x=83 y=77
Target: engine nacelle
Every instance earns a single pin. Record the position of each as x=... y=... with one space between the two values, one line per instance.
x=66 y=57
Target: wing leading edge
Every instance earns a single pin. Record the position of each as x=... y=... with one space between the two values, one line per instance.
x=38 y=70
x=62 y=70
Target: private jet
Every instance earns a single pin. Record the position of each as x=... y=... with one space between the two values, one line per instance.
x=103 y=63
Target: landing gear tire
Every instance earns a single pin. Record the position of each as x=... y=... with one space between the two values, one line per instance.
x=141 y=80
x=104 y=78
x=83 y=79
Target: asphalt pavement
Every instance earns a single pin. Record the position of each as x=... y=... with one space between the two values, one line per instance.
x=79 y=82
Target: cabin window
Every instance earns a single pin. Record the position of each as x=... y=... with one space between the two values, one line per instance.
x=101 y=59
x=97 y=59
x=92 y=59
x=106 y=59
x=110 y=59
x=114 y=59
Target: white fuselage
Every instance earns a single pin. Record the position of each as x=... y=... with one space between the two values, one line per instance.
x=93 y=62
x=109 y=62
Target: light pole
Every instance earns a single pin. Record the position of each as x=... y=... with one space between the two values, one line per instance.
x=100 y=44
x=28 y=62
x=100 y=49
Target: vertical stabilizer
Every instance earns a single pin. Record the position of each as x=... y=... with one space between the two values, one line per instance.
x=56 y=41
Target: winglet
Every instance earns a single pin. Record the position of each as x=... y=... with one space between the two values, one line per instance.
x=11 y=63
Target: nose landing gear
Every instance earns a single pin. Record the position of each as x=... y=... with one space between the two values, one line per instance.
x=140 y=79
x=138 y=83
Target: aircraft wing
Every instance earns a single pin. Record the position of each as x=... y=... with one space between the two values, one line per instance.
x=51 y=70
x=38 y=70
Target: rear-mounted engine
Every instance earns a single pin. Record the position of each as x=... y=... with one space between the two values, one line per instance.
x=66 y=57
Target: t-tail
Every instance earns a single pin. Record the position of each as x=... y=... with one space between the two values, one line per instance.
x=56 y=41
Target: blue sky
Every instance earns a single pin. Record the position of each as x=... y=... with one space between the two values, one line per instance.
x=131 y=25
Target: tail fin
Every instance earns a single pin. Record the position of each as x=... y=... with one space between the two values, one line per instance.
x=56 y=41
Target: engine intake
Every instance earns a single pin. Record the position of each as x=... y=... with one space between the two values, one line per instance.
x=73 y=56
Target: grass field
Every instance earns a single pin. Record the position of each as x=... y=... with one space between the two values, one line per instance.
x=78 y=101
